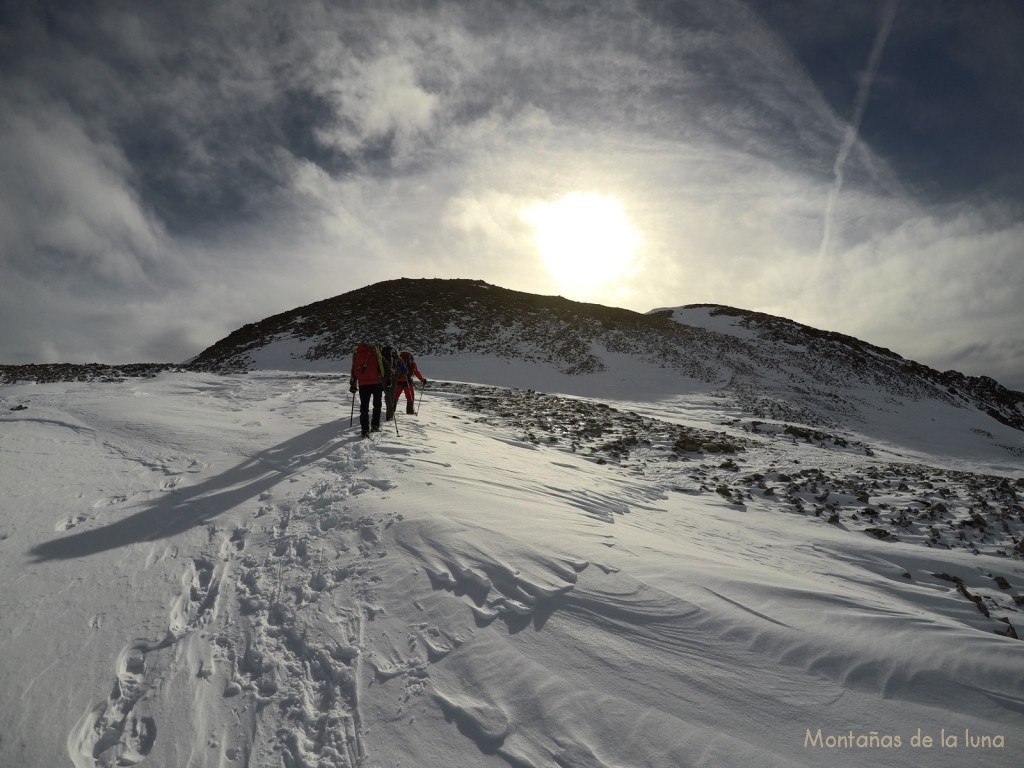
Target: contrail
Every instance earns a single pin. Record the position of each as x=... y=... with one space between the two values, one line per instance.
x=850 y=135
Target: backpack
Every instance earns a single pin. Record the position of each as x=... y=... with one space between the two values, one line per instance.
x=366 y=365
x=405 y=365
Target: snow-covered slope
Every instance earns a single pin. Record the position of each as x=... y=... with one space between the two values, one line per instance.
x=767 y=367
x=205 y=570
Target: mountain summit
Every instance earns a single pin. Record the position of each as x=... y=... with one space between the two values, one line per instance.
x=455 y=317
x=770 y=367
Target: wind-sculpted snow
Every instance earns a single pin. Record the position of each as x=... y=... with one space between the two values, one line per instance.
x=889 y=500
x=217 y=571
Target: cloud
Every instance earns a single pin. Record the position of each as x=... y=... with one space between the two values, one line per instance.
x=173 y=170
x=379 y=99
x=951 y=291
x=66 y=197
x=937 y=286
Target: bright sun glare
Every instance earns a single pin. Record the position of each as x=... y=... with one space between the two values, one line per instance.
x=585 y=239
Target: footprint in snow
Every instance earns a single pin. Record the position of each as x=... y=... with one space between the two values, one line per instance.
x=111 y=732
x=194 y=606
x=109 y=501
x=69 y=522
x=171 y=483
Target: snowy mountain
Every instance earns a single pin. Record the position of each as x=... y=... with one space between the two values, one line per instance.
x=766 y=367
x=700 y=536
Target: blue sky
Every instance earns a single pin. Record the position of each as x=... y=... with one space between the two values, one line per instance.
x=171 y=171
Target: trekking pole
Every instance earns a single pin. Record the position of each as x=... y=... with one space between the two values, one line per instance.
x=419 y=400
x=352 y=413
x=394 y=418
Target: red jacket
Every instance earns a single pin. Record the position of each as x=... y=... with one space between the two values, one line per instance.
x=367 y=367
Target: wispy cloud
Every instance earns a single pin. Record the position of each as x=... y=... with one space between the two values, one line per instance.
x=853 y=128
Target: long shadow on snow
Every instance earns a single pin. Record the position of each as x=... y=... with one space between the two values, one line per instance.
x=186 y=508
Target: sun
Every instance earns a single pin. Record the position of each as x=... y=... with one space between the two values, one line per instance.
x=585 y=239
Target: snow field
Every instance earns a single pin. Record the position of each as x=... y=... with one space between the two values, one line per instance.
x=216 y=571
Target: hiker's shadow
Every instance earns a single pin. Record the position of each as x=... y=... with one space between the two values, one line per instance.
x=185 y=508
